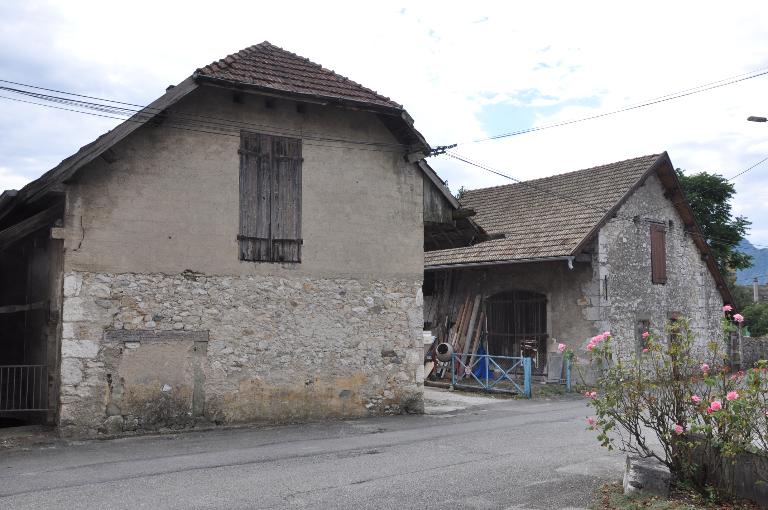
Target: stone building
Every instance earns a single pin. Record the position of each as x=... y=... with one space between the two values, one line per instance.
x=613 y=247
x=247 y=248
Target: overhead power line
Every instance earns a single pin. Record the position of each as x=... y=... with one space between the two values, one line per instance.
x=213 y=130
x=142 y=113
x=661 y=99
x=548 y=191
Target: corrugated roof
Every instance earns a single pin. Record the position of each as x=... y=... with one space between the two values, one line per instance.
x=542 y=218
x=268 y=66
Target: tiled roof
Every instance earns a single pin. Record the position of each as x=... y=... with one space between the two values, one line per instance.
x=268 y=66
x=546 y=217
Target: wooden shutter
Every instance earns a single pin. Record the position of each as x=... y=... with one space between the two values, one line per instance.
x=658 y=254
x=286 y=200
x=270 y=198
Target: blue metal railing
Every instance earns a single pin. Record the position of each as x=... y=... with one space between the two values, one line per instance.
x=490 y=372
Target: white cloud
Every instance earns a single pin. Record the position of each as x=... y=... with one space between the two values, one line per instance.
x=446 y=63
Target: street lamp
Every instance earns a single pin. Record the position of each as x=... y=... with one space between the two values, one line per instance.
x=757 y=119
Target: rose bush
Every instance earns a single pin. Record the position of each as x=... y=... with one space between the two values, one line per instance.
x=676 y=396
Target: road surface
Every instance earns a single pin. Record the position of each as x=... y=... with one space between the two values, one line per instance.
x=469 y=452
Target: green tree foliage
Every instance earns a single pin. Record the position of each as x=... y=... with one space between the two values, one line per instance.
x=756 y=318
x=709 y=196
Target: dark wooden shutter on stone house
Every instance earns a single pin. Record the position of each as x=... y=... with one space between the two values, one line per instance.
x=270 y=198
x=658 y=254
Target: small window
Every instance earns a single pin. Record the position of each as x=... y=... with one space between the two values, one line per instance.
x=270 y=198
x=658 y=254
x=641 y=327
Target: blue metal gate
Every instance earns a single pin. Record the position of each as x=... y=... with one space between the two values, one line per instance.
x=491 y=373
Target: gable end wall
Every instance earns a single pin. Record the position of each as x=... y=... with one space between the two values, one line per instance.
x=152 y=248
x=624 y=256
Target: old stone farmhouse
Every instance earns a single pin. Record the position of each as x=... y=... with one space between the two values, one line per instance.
x=613 y=247
x=249 y=247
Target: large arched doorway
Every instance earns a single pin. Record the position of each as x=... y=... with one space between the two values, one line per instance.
x=516 y=317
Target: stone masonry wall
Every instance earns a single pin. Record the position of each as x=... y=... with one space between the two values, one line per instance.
x=623 y=260
x=278 y=350
x=753 y=349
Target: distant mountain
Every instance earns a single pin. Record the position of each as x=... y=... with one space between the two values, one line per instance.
x=759 y=264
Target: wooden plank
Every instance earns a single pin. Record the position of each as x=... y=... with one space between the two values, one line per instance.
x=39 y=305
x=476 y=341
x=25 y=227
x=458 y=327
x=470 y=329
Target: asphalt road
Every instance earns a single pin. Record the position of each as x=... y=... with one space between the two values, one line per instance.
x=471 y=452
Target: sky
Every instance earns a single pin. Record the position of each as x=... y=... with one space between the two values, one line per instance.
x=463 y=70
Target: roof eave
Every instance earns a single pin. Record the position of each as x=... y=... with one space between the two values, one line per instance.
x=52 y=180
x=417 y=142
x=459 y=265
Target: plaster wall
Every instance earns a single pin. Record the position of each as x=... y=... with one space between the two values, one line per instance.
x=170 y=201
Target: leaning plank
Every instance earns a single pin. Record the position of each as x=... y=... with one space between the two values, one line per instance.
x=470 y=329
x=25 y=227
x=476 y=341
x=23 y=308
x=461 y=325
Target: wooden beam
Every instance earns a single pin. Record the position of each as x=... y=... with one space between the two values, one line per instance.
x=25 y=227
x=40 y=305
x=463 y=212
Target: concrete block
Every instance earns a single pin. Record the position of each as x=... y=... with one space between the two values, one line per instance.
x=646 y=475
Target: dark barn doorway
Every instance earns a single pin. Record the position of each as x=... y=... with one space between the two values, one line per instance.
x=517 y=318
x=30 y=311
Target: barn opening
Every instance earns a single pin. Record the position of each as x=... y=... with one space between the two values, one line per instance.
x=517 y=326
x=30 y=313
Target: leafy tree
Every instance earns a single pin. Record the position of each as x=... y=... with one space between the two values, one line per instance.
x=756 y=318
x=709 y=196
x=460 y=193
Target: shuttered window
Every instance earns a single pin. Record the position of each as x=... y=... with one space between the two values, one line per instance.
x=658 y=254
x=270 y=198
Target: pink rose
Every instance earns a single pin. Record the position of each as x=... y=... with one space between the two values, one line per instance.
x=561 y=348
x=645 y=334
x=716 y=405
x=732 y=395
x=606 y=334
x=738 y=318
x=678 y=429
x=704 y=368
x=727 y=308
x=696 y=399
x=591 y=421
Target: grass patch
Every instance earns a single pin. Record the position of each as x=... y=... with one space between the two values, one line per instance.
x=611 y=497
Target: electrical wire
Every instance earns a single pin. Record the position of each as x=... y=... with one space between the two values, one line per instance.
x=661 y=99
x=551 y=192
x=188 y=119
x=221 y=129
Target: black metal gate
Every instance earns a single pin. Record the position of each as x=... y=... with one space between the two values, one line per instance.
x=516 y=317
x=23 y=388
